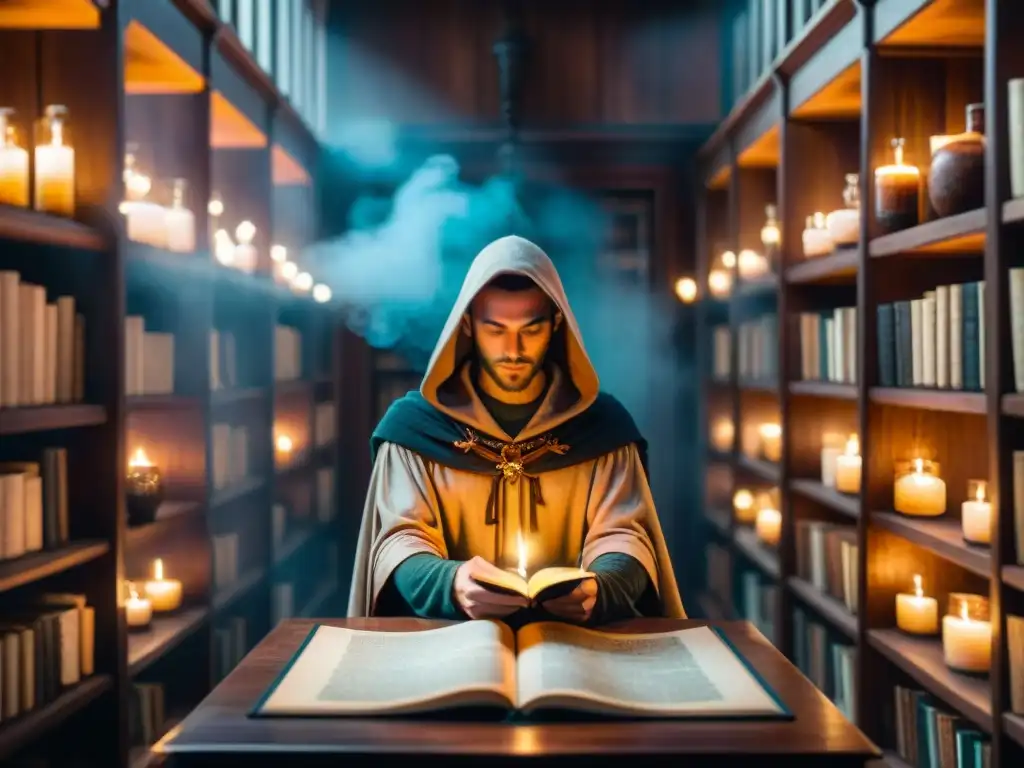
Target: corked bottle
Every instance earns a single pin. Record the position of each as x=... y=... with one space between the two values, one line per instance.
x=956 y=179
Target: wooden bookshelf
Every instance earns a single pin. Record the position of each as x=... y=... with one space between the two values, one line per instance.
x=169 y=83
x=836 y=95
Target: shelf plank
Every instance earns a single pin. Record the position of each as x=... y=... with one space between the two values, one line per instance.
x=766 y=470
x=824 y=389
x=227 y=596
x=161 y=402
x=837 y=267
x=40 y=418
x=1013 y=405
x=1013 y=211
x=942 y=536
x=292 y=544
x=963 y=233
x=765 y=559
x=843 y=503
x=1013 y=576
x=1013 y=725
x=17 y=733
x=766 y=386
x=236 y=491
x=29 y=226
x=167 y=512
x=164 y=635
x=949 y=401
x=922 y=660
x=825 y=605
x=718 y=518
x=39 y=565
x=317 y=600
x=892 y=760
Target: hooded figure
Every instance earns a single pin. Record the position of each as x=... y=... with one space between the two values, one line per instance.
x=464 y=469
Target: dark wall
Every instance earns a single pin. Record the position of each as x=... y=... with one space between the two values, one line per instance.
x=621 y=62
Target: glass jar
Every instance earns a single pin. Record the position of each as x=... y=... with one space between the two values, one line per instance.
x=54 y=163
x=918 y=491
x=851 y=192
x=13 y=163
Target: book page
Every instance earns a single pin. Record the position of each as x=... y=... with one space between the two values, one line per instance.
x=354 y=672
x=687 y=672
x=550 y=577
x=505 y=581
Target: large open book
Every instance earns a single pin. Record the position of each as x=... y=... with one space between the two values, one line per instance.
x=544 y=666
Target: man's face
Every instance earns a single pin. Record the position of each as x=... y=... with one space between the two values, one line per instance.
x=512 y=332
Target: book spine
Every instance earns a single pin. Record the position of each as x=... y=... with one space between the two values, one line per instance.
x=886 y=346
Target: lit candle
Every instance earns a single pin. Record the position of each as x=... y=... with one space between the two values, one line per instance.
x=138 y=611
x=719 y=283
x=321 y=293
x=976 y=514
x=848 y=466
x=13 y=164
x=224 y=248
x=245 y=251
x=163 y=594
x=815 y=238
x=722 y=435
x=180 y=222
x=686 y=290
x=743 y=505
x=897 y=189
x=283 y=447
x=289 y=271
x=843 y=225
x=521 y=549
x=771 y=441
x=768 y=526
x=967 y=641
x=54 y=164
x=144 y=489
x=770 y=234
x=831 y=447
x=751 y=264
x=920 y=493
x=917 y=614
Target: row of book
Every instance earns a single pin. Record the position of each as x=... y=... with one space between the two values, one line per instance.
x=758 y=349
x=758 y=602
x=1015 y=650
x=148 y=359
x=937 y=340
x=42 y=345
x=46 y=646
x=721 y=349
x=223 y=360
x=147 y=714
x=230 y=451
x=230 y=644
x=929 y=736
x=718 y=565
x=287 y=353
x=826 y=557
x=34 y=504
x=828 y=661
x=828 y=345
x=226 y=570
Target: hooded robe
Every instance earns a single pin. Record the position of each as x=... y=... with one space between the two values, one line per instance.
x=448 y=481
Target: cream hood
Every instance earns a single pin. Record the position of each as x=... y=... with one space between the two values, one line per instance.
x=446 y=384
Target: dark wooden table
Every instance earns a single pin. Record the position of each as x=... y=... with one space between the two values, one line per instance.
x=219 y=733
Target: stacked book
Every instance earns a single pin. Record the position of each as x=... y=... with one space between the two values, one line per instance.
x=758 y=602
x=225 y=560
x=758 y=349
x=148 y=359
x=1015 y=647
x=937 y=340
x=146 y=714
x=828 y=346
x=826 y=557
x=34 y=504
x=324 y=424
x=719 y=572
x=929 y=736
x=230 y=455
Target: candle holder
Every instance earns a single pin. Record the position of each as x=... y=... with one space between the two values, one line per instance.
x=976 y=514
x=54 y=163
x=843 y=225
x=915 y=613
x=180 y=222
x=918 y=490
x=144 y=490
x=770 y=435
x=832 y=445
x=13 y=163
x=771 y=236
x=138 y=611
x=743 y=506
x=897 y=192
x=967 y=634
x=164 y=594
x=815 y=238
x=848 y=467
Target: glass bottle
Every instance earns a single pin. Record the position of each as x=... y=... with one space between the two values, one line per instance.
x=54 y=163
x=180 y=222
x=13 y=163
x=851 y=193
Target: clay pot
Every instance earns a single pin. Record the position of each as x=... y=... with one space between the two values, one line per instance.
x=956 y=179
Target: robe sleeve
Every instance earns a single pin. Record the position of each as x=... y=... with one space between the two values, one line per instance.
x=405 y=510
x=621 y=512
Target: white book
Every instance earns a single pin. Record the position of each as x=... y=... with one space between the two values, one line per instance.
x=928 y=340
x=50 y=354
x=10 y=339
x=1017 y=325
x=33 y=500
x=942 y=336
x=916 y=343
x=956 y=364
x=134 y=329
x=981 y=333
x=851 y=344
x=839 y=344
x=12 y=498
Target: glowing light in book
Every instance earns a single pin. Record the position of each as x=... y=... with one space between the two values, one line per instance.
x=686 y=290
x=138 y=610
x=967 y=634
x=976 y=514
x=321 y=293
x=521 y=547
x=743 y=504
x=919 y=491
x=163 y=594
x=915 y=613
x=848 y=466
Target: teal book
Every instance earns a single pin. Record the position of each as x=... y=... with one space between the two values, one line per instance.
x=967 y=754
x=693 y=673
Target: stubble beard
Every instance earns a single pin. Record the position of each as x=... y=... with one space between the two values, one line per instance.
x=503 y=382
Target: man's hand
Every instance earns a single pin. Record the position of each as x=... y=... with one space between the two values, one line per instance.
x=476 y=600
x=578 y=605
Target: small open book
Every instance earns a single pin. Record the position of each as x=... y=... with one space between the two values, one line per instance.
x=543 y=666
x=544 y=585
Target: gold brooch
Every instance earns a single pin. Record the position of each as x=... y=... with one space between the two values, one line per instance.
x=510 y=459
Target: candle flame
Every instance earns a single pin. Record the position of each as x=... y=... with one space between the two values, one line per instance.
x=728 y=259
x=771 y=430
x=133 y=594
x=918 y=590
x=853 y=446
x=139 y=459
x=521 y=546
x=284 y=443
x=963 y=611
x=919 y=466
x=158 y=569
x=743 y=499
x=979 y=491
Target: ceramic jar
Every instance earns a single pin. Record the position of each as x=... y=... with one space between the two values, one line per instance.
x=956 y=179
